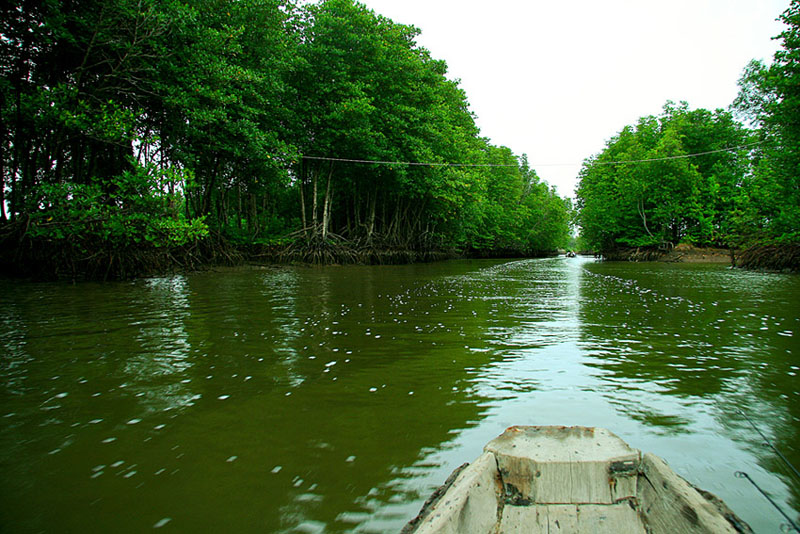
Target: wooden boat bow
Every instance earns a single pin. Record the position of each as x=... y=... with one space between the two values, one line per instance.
x=545 y=479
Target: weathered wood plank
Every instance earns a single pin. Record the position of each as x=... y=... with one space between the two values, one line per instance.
x=470 y=504
x=560 y=465
x=672 y=506
x=618 y=518
x=520 y=481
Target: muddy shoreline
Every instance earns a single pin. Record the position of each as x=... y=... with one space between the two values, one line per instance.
x=683 y=253
x=38 y=259
x=773 y=258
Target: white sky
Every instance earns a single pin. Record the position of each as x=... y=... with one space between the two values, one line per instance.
x=556 y=79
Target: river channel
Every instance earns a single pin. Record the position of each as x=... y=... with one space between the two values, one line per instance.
x=335 y=399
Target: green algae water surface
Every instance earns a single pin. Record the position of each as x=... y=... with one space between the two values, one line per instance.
x=335 y=399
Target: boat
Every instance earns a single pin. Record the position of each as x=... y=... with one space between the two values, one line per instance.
x=557 y=479
x=570 y=254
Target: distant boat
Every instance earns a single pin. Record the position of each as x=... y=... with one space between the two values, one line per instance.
x=554 y=479
x=570 y=254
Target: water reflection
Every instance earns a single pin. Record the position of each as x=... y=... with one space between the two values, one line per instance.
x=158 y=372
x=335 y=399
x=703 y=335
x=12 y=339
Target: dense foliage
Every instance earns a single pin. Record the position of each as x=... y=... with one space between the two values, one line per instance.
x=770 y=100
x=129 y=123
x=671 y=179
x=643 y=190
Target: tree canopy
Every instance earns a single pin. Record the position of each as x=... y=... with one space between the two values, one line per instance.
x=704 y=177
x=144 y=122
x=769 y=99
x=667 y=179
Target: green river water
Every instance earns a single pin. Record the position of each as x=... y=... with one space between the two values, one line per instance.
x=335 y=399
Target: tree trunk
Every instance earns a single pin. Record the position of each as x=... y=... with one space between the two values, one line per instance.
x=16 y=172
x=393 y=225
x=384 y=217
x=3 y=217
x=239 y=205
x=27 y=179
x=348 y=219
x=643 y=215
x=314 y=177
x=326 y=212
x=256 y=227
x=210 y=183
x=358 y=222
x=373 y=202
x=303 y=199
x=222 y=208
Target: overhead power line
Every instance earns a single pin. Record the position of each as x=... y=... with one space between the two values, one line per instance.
x=532 y=165
x=409 y=163
x=683 y=156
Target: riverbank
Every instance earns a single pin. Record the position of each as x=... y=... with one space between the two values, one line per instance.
x=44 y=259
x=777 y=258
x=782 y=258
x=683 y=253
x=23 y=256
x=48 y=259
